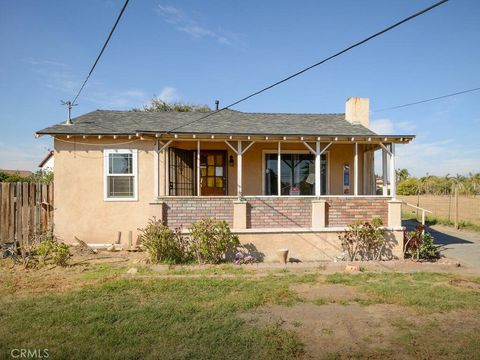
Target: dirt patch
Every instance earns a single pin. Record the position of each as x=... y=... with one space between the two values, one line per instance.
x=334 y=328
x=466 y=284
x=374 y=332
x=19 y=281
x=327 y=293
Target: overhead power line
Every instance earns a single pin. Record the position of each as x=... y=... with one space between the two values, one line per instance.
x=101 y=51
x=391 y=27
x=427 y=100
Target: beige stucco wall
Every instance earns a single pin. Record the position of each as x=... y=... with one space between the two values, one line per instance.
x=309 y=246
x=80 y=209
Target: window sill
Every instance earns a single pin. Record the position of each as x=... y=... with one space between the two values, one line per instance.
x=120 y=199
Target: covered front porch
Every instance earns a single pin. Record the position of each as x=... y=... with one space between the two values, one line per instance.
x=267 y=184
x=239 y=167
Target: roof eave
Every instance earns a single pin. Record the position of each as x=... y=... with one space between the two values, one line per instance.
x=404 y=139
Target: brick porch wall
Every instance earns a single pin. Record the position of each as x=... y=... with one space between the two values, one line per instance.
x=183 y=211
x=275 y=212
x=343 y=211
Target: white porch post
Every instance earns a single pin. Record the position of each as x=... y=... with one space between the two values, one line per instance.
x=198 y=168
x=364 y=173
x=279 y=170
x=239 y=169
x=318 y=170
x=393 y=185
x=155 y=170
x=355 y=170
x=384 y=172
x=164 y=151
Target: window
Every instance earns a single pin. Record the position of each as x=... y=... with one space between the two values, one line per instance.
x=120 y=175
x=297 y=174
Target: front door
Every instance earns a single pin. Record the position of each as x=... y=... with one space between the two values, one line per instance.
x=213 y=177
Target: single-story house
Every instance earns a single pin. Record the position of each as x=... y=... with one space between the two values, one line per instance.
x=48 y=162
x=280 y=180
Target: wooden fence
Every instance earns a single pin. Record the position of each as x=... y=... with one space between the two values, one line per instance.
x=26 y=210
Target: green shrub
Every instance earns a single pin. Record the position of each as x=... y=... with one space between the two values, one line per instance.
x=419 y=244
x=164 y=244
x=211 y=240
x=61 y=254
x=363 y=240
x=50 y=249
x=45 y=249
x=408 y=186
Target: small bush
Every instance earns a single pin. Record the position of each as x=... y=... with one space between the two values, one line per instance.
x=211 y=240
x=363 y=240
x=164 y=244
x=50 y=249
x=419 y=244
x=61 y=254
x=46 y=246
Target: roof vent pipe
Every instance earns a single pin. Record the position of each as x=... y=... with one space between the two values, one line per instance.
x=217 y=103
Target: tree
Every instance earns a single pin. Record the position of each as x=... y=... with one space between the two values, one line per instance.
x=42 y=177
x=158 y=105
x=402 y=174
x=13 y=178
x=409 y=186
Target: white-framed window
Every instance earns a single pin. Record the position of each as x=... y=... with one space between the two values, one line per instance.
x=120 y=175
x=297 y=173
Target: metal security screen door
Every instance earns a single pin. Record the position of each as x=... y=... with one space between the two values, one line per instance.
x=181 y=172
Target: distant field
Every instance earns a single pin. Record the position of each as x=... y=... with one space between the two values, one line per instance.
x=444 y=206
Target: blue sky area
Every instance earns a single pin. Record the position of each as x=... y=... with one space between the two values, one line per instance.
x=199 y=51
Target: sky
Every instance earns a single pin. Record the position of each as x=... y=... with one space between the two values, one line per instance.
x=199 y=51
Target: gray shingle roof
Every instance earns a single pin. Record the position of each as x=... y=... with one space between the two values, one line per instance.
x=106 y=122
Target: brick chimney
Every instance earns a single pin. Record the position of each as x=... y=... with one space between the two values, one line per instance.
x=357 y=110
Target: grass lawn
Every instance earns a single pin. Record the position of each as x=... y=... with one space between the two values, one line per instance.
x=100 y=312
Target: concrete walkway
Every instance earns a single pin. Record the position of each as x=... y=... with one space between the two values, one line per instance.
x=460 y=245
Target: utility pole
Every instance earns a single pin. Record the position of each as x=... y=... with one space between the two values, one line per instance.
x=69 y=106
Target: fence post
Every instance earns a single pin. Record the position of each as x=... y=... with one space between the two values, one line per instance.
x=423 y=221
x=11 y=223
x=31 y=209
x=18 y=217
x=456 y=207
x=25 y=222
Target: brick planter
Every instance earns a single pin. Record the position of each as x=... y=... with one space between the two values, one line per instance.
x=278 y=212
x=183 y=211
x=342 y=211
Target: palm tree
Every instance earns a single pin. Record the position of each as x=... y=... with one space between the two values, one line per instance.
x=447 y=183
x=458 y=181
x=401 y=174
